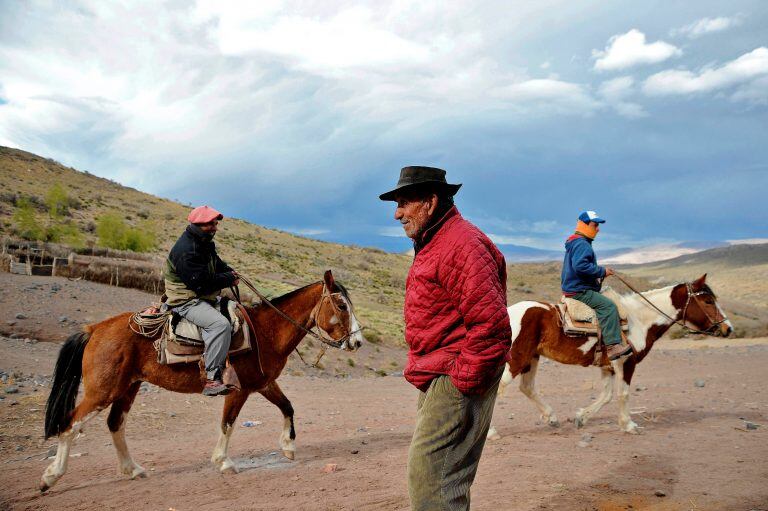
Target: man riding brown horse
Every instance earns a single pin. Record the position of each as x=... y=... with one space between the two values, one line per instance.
x=194 y=276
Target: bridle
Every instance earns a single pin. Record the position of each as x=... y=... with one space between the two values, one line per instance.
x=692 y=296
x=321 y=335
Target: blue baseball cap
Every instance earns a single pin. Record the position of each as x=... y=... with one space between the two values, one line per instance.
x=590 y=216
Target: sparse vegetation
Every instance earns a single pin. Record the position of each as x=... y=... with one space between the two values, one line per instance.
x=54 y=227
x=278 y=262
x=27 y=225
x=114 y=233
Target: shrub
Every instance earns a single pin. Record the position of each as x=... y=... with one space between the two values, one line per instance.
x=372 y=336
x=27 y=226
x=64 y=232
x=113 y=232
x=57 y=202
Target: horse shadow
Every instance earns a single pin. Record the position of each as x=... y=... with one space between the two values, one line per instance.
x=675 y=418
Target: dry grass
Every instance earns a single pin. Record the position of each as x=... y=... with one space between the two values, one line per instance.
x=277 y=261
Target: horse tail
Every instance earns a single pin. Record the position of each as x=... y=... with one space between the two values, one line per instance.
x=66 y=381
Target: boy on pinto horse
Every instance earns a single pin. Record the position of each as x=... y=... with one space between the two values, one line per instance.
x=582 y=278
x=194 y=276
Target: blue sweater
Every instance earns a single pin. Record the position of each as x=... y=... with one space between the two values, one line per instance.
x=580 y=269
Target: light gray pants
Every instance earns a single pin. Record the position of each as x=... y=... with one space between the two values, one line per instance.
x=216 y=332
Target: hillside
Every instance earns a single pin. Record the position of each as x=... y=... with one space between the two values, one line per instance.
x=738 y=273
x=279 y=261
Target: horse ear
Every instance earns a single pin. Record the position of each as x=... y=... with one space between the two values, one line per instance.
x=328 y=279
x=699 y=283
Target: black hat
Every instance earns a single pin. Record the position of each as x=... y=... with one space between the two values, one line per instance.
x=415 y=175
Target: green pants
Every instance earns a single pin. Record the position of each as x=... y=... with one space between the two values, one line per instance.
x=607 y=315
x=447 y=444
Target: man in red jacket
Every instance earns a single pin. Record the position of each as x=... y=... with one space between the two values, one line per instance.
x=458 y=332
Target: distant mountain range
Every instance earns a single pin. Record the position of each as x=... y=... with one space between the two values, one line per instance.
x=627 y=255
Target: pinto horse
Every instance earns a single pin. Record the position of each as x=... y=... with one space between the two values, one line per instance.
x=114 y=361
x=537 y=331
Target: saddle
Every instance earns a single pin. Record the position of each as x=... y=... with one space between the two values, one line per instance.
x=580 y=320
x=180 y=341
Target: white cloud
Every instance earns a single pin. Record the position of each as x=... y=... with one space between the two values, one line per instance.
x=755 y=92
x=305 y=231
x=616 y=91
x=349 y=38
x=392 y=232
x=679 y=81
x=549 y=94
x=630 y=49
x=705 y=26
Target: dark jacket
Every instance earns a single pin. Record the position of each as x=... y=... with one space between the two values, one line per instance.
x=456 y=320
x=580 y=269
x=194 y=269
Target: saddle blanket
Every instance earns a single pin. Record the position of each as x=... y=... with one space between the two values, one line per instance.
x=181 y=341
x=579 y=318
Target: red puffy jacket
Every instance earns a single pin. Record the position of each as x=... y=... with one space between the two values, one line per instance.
x=456 y=320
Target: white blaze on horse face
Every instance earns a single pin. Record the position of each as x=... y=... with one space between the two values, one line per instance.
x=356 y=339
x=516 y=313
x=722 y=315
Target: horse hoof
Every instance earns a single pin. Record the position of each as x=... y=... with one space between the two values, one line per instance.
x=228 y=467
x=289 y=454
x=493 y=435
x=140 y=474
x=579 y=421
x=632 y=429
x=44 y=487
x=553 y=423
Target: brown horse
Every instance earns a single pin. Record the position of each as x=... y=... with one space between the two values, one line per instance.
x=114 y=361
x=536 y=332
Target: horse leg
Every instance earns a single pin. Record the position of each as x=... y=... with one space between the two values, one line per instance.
x=506 y=379
x=583 y=414
x=288 y=436
x=528 y=387
x=233 y=403
x=623 y=379
x=84 y=412
x=116 y=424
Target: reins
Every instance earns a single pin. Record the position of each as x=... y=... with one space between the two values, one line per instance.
x=327 y=295
x=691 y=295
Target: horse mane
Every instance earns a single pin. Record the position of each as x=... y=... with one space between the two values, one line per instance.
x=279 y=299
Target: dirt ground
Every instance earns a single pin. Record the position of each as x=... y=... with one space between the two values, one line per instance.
x=695 y=447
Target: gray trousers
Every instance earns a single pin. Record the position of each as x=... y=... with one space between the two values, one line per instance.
x=447 y=444
x=216 y=332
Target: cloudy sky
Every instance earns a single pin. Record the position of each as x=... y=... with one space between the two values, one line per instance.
x=296 y=115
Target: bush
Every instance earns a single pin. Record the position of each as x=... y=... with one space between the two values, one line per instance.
x=113 y=232
x=57 y=202
x=27 y=226
x=64 y=232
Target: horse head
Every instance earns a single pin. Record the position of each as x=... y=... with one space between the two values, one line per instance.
x=335 y=315
x=699 y=309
